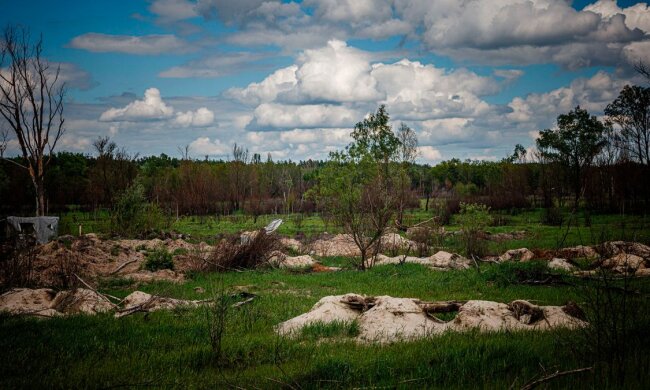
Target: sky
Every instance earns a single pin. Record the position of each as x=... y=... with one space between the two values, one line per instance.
x=471 y=77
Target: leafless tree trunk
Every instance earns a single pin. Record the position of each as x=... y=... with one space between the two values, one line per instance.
x=31 y=102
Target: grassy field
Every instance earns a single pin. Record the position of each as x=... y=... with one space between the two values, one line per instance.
x=173 y=349
x=578 y=230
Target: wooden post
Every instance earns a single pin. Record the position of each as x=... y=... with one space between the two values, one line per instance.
x=80 y=230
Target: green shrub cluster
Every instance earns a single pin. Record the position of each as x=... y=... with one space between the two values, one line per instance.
x=159 y=259
x=133 y=214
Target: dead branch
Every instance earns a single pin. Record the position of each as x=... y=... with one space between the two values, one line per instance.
x=116 y=270
x=556 y=374
x=95 y=291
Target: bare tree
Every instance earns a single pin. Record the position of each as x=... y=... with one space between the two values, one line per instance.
x=31 y=103
x=4 y=140
x=184 y=151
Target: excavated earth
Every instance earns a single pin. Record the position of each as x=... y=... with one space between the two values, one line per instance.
x=387 y=319
x=45 y=302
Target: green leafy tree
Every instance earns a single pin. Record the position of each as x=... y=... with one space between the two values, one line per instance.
x=357 y=186
x=579 y=137
x=630 y=112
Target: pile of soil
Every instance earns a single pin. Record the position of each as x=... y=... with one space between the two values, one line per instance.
x=46 y=302
x=441 y=261
x=387 y=319
x=343 y=245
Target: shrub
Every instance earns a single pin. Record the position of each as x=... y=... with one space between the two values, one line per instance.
x=159 y=259
x=231 y=254
x=133 y=215
x=473 y=219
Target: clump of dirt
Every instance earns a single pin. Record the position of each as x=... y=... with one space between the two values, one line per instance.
x=387 y=319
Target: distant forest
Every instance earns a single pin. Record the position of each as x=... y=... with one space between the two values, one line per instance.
x=254 y=185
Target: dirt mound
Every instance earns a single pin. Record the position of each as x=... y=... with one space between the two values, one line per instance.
x=386 y=319
x=441 y=260
x=328 y=310
x=625 y=263
x=580 y=251
x=343 y=245
x=338 y=245
x=561 y=265
x=139 y=301
x=291 y=243
x=392 y=319
x=47 y=303
x=613 y=248
x=521 y=254
x=92 y=257
x=21 y=301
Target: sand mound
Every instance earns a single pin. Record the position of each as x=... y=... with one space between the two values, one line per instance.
x=139 y=301
x=386 y=319
x=343 y=245
x=328 y=310
x=521 y=254
x=46 y=302
x=579 y=251
x=92 y=257
x=561 y=265
x=441 y=260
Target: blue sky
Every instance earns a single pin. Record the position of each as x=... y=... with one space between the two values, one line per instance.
x=472 y=77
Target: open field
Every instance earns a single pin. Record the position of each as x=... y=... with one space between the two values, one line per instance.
x=582 y=230
x=173 y=348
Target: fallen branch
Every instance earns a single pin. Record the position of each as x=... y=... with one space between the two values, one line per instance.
x=95 y=291
x=242 y=303
x=556 y=374
x=118 y=269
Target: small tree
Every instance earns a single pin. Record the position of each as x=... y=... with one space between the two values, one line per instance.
x=473 y=219
x=357 y=185
x=408 y=148
x=574 y=144
x=31 y=103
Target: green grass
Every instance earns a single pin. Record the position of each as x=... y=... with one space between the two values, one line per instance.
x=602 y=227
x=172 y=348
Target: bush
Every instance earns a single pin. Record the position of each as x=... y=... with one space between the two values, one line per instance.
x=231 y=254
x=159 y=259
x=473 y=219
x=133 y=215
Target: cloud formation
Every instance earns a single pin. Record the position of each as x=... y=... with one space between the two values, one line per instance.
x=130 y=44
x=153 y=108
